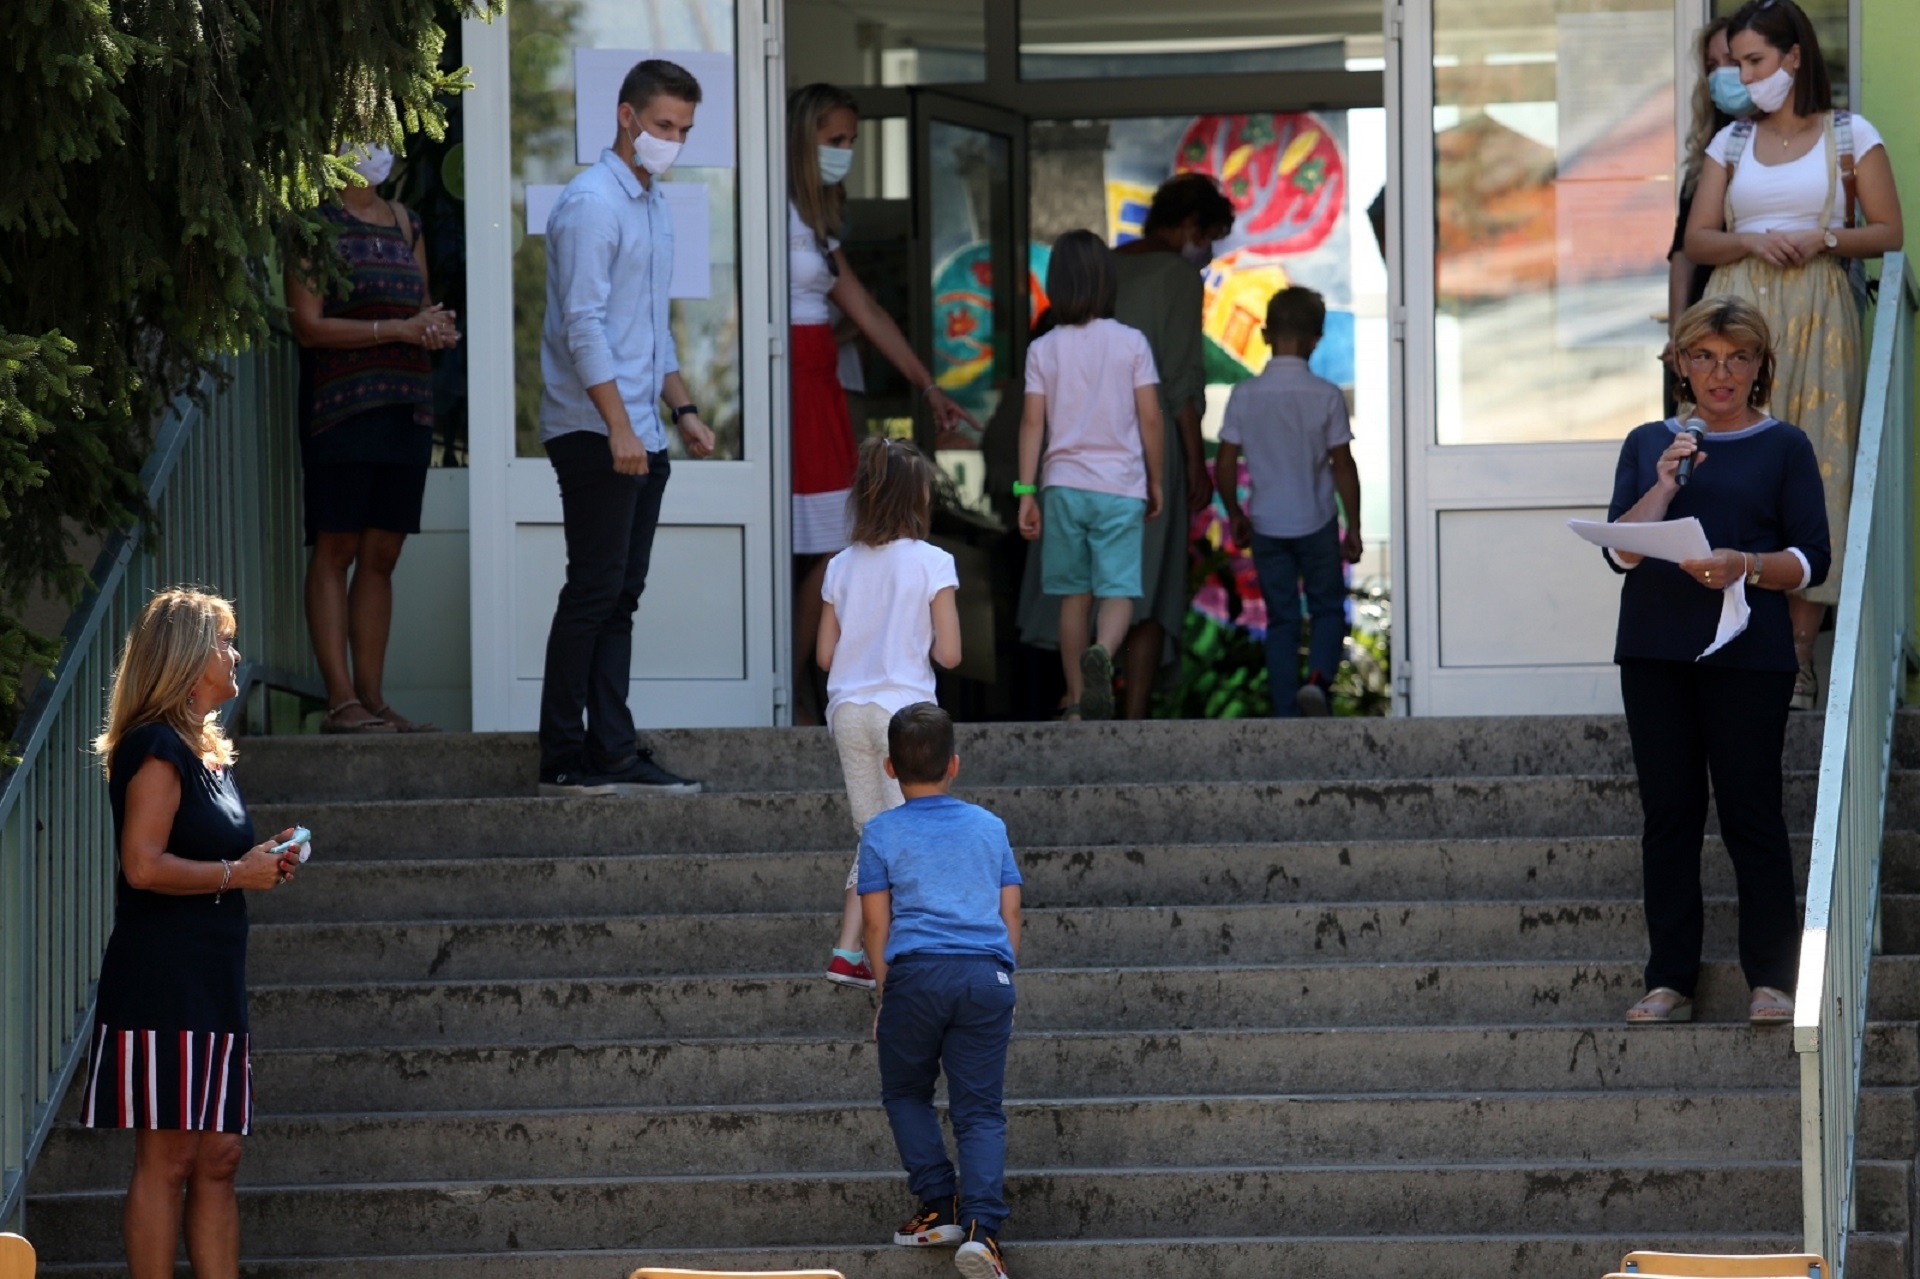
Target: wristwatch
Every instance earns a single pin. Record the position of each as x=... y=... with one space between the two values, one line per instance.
x=1832 y=240
x=1753 y=574
x=685 y=409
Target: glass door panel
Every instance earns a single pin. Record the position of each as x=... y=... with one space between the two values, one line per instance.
x=1553 y=200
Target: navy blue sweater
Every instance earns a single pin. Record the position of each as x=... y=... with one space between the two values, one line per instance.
x=1757 y=490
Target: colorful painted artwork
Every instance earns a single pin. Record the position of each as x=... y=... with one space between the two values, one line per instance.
x=963 y=333
x=1284 y=174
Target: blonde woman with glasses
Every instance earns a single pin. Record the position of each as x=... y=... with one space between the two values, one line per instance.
x=1697 y=712
x=170 y=1054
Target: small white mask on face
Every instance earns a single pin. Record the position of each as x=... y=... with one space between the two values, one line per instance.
x=835 y=163
x=373 y=163
x=1770 y=94
x=656 y=155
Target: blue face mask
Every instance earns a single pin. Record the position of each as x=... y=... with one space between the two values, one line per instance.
x=1729 y=94
x=835 y=164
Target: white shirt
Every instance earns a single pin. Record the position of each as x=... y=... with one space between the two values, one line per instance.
x=809 y=279
x=1089 y=372
x=882 y=596
x=1286 y=421
x=1788 y=197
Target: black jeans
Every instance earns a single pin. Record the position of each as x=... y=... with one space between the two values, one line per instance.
x=610 y=520
x=1689 y=723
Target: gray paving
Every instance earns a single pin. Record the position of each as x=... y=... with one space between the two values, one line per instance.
x=1336 y=998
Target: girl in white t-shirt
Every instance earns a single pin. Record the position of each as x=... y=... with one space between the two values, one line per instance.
x=887 y=615
x=1774 y=216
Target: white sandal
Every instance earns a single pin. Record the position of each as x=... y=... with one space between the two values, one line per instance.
x=1659 y=1006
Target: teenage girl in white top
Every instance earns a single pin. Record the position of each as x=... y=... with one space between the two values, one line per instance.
x=822 y=127
x=887 y=615
x=1772 y=215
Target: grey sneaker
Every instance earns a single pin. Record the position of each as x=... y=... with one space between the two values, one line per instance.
x=641 y=776
x=1311 y=700
x=1096 y=683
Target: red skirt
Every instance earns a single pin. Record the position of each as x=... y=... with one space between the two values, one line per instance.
x=823 y=447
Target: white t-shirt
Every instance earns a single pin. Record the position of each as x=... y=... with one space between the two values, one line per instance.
x=808 y=278
x=1286 y=421
x=882 y=597
x=1788 y=197
x=1089 y=372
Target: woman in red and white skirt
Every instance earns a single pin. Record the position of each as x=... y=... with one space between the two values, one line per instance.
x=171 y=1051
x=822 y=126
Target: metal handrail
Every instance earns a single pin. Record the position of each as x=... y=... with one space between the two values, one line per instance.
x=223 y=482
x=1872 y=631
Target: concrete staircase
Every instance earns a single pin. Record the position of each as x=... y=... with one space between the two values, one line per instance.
x=1335 y=997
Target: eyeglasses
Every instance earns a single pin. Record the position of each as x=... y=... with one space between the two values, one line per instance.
x=1739 y=364
x=225 y=643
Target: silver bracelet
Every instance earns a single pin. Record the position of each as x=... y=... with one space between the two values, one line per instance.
x=226 y=877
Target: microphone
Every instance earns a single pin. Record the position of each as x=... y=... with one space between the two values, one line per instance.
x=1698 y=430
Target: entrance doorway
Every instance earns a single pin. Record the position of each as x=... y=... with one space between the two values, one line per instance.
x=989 y=129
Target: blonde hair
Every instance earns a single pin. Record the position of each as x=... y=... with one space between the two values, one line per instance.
x=1708 y=118
x=820 y=207
x=163 y=658
x=1740 y=322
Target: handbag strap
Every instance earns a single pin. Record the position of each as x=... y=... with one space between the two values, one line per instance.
x=1843 y=133
x=1736 y=147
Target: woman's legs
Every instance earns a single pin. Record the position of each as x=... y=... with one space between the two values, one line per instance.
x=178 y=1174
x=1144 y=644
x=328 y=564
x=810 y=572
x=370 y=612
x=1664 y=715
x=1744 y=714
x=1806 y=616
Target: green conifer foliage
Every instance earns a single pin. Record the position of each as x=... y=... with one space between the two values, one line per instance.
x=159 y=154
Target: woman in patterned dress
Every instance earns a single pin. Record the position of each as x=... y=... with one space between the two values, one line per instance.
x=170 y=1052
x=366 y=436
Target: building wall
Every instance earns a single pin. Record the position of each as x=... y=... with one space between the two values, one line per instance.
x=1890 y=97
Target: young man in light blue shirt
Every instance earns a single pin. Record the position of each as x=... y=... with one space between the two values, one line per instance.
x=607 y=359
x=940 y=894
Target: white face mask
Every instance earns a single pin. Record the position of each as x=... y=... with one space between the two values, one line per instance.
x=1771 y=93
x=835 y=162
x=656 y=155
x=374 y=164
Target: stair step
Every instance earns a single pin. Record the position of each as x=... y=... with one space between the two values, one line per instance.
x=483 y=765
x=785 y=1210
x=750 y=1071
x=1550 y=1255
x=1553 y=870
x=1330 y=994
x=829 y=1137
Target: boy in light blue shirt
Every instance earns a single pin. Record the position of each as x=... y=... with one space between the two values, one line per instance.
x=940 y=894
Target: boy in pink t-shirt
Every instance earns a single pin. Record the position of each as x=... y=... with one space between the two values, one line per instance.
x=1092 y=397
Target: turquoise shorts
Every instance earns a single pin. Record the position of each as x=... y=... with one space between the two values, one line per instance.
x=1090 y=543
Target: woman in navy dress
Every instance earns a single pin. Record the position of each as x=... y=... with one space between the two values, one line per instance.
x=170 y=1050
x=1695 y=715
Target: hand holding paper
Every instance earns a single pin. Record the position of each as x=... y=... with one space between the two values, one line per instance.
x=1674 y=540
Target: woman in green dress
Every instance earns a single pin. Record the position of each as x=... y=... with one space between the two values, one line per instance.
x=1162 y=295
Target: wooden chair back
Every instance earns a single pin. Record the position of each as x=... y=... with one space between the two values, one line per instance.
x=1685 y=1265
x=17 y=1260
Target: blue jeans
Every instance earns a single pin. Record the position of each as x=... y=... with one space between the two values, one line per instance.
x=956 y=1012
x=1284 y=565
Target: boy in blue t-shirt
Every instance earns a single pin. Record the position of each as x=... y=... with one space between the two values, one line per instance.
x=941 y=897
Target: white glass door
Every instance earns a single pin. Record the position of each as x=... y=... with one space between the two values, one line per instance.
x=1536 y=157
x=546 y=78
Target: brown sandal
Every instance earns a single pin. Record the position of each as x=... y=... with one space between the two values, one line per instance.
x=401 y=724
x=371 y=723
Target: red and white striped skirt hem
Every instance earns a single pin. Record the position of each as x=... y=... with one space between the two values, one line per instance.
x=179 y=1080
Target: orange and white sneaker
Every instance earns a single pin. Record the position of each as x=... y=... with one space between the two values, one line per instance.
x=932 y=1227
x=979 y=1256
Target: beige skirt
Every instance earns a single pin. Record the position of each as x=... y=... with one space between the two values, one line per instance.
x=1817 y=372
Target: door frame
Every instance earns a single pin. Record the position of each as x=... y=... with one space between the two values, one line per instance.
x=506 y=491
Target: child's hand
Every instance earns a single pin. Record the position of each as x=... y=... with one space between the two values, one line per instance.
x=1154 y=499
x=1029 y=517
x=1242 y=530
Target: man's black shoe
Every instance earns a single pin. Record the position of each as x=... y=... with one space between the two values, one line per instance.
x=574 y=783
x=639 y=775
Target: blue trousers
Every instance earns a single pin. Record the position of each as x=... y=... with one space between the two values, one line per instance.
x=953 y=1012
x=1284 y=566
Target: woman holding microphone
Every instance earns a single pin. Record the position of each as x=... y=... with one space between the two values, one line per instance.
x=1692 y=716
